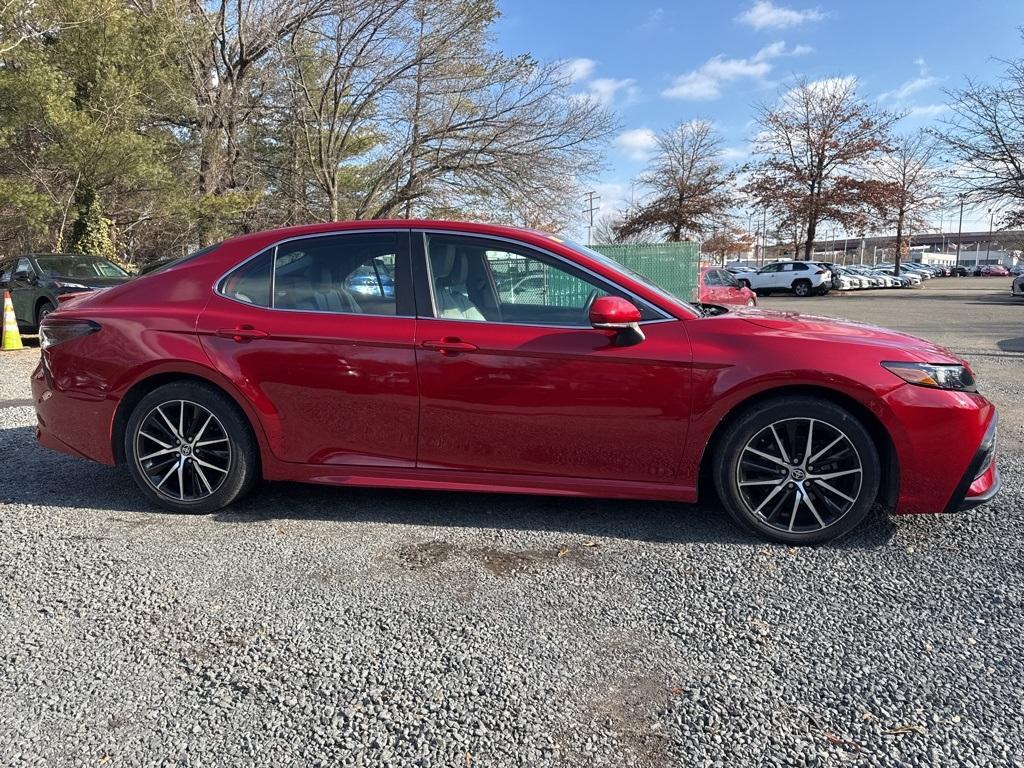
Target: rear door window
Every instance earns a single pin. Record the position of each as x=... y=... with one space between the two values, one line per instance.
x=357 y=273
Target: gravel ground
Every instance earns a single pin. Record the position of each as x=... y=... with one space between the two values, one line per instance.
x=313 y=626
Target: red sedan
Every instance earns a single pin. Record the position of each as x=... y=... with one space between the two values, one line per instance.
x=718 y=286
x=459 y=356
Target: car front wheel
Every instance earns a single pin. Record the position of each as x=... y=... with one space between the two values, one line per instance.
x=798 y=471
x=190 y=449
x=802 y=288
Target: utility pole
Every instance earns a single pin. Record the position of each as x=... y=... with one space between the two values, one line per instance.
x=764 y=233
x=960 y=226
x=592 y=199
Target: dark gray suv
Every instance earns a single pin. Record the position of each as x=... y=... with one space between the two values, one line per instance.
x=35 y=281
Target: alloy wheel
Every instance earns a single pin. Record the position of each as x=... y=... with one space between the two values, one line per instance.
x=799 y=475
x=183 y=451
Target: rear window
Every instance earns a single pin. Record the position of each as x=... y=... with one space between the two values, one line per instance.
x=183 y=259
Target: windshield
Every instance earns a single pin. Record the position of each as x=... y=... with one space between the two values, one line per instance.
x=78 y=266
x=612 y=263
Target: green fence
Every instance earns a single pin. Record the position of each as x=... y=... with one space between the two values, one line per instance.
x=671 y=266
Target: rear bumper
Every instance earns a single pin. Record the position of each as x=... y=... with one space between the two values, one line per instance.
x=77 y=420
x=981 y=482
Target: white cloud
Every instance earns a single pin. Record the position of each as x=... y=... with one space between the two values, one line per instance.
x=764 y=14
x=705 y=82
x=655 y=20
x=912 y=86
x=579 y=69
x=637 y=143
x=607 y=90
x=735 y=154
x=928 y=111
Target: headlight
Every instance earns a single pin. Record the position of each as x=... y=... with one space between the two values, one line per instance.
x=956 y=377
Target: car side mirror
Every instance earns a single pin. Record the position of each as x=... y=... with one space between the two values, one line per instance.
x=33 y=279
x=613 y=313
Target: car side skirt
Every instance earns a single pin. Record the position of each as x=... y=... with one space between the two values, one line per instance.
x=486 y=482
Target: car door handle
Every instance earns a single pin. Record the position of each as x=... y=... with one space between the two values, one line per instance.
x=244 y=333
x=449 y=346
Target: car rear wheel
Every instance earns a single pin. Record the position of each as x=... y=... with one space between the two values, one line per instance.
x=798 y=471
x=190 y=449
x=802 y=288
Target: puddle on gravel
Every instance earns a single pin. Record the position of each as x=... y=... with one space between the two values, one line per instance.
x=500 y=562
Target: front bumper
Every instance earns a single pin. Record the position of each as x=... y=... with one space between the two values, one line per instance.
x=981 y=482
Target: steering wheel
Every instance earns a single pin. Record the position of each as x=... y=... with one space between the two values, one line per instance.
x=591 y=298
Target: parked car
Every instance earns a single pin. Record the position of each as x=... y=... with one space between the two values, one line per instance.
x=1017 y=286
x=845 y=280
x=992 y=270
x=36 y=280
x=803 y=278
x=1017 y=269
x=719 y=286
x=905 y=279
x=252 y=360
x=959 y=272
x=868 y=275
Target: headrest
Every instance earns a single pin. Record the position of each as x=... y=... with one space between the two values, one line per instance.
x=450 y=266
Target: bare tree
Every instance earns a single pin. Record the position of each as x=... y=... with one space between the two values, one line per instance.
x=814 y=146
x=690 y=189
x=608 y=230
x=985 y=139
x=404 y=109
x=224 y=44
x=908 y=184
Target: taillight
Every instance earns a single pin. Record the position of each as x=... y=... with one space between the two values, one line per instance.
x=820 y=272
x=53 y=332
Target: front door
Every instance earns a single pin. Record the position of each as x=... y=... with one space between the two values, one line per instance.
x=513 y=378
x=318 y=333
x=22 y=286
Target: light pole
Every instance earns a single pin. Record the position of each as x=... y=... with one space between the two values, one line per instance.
x=960 y=227
x=988 y=245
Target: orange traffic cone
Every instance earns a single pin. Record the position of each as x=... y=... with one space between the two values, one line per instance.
x=11 y=339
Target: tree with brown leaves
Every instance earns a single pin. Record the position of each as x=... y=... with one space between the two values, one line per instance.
x=814 y=148
x=690 y=188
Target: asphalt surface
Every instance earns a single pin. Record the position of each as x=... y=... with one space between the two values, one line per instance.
x=317 y=626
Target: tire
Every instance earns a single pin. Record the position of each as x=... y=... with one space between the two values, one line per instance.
x=44 y=309
x=773 y=487
x=802 y=288
x=751 y=303
x=762 y=291
x=219 y=459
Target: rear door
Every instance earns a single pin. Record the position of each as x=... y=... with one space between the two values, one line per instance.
x=318 y=333
x=514 y=379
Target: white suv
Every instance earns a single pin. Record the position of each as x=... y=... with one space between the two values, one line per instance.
x=803 y=278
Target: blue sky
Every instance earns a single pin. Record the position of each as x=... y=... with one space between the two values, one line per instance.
x=656 y=62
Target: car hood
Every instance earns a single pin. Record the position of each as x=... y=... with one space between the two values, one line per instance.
x=897 y=345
